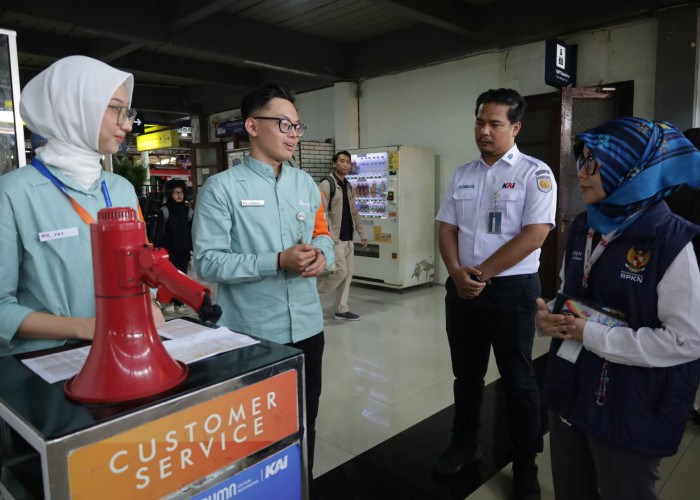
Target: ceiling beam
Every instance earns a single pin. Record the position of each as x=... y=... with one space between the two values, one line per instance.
x=449 y=15
x=163 y=98
x=48 y=44
x=107 y=50
x=160 y=98
x=255 y=44
x=195 y=70
x=186 y=12
x=222 y=38
x=216 y=98
x=57 y=46
x=416 y=46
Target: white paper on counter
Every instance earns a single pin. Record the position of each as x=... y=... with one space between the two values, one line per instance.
x=178 y=327
x=188 y=342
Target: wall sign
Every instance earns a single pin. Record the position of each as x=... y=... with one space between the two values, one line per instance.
x=229 y=128
x=138 y=125
x=560 y=64
x=157 y=140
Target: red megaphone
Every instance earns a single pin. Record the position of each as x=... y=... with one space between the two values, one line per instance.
x=127 y=360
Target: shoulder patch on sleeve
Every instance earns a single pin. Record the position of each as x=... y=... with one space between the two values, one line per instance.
x=544 y=181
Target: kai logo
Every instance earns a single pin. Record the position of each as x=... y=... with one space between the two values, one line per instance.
x=276 y=466
x=637 y=260
x=508 y=185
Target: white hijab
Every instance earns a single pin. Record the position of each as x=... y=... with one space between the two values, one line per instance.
x=65 y=103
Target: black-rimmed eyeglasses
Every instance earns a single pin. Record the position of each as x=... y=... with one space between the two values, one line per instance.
x=588 y=163
x=124 y=114
x=285 y=125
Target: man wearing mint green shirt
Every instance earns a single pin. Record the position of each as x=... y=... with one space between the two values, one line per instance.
x=260 y=233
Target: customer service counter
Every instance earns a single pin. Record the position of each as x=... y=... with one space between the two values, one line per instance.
x=233 y=428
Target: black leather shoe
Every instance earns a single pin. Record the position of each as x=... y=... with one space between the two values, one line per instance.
x=525 y=483
x=455 y=458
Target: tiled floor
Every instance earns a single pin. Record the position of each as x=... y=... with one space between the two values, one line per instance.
x=391 y=370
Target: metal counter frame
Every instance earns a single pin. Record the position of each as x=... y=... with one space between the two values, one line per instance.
x=55 y=426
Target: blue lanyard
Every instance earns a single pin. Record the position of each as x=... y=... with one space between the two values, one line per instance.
x=45 y=171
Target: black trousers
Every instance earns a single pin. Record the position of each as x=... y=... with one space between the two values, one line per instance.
x=181 y=261
x=313 y=355
x=502 y=317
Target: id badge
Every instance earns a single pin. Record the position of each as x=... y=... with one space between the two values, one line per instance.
x=495 y=220
x=570 y=350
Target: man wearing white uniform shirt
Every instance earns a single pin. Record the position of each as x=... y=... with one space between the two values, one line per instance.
x=495 y=216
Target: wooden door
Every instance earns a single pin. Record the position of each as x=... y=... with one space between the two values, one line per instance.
x=549 y=124
x=582 y=109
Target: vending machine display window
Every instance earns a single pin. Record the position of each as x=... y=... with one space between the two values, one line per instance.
x=368 y=175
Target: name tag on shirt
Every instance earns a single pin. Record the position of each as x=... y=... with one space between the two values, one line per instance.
x=253 y=203
x=58 y=234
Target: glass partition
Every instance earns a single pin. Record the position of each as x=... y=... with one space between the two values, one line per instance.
x=11 y=132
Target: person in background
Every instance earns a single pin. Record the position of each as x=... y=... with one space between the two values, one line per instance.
x=343 y=219
x=81 y=106
x=260 y=233
x=619 y=395
x=174 y=230
x=495 y=216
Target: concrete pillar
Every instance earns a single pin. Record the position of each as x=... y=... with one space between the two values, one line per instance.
x=347 y=116
x=145 y=161
x=676 y=90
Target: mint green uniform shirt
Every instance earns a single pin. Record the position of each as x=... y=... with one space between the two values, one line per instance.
x=53 y=276
x=243 y=218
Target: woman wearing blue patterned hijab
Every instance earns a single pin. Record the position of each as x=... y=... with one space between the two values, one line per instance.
x=620 y=386
x=640 y=162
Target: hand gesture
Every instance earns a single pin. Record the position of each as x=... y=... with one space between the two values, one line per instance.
x=467 y=288
x=298 y=257
x=559 y=326
x=316 y=267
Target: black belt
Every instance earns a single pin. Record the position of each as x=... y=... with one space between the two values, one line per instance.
x=514 y=277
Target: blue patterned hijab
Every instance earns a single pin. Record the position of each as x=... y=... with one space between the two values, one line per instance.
x=640 y=163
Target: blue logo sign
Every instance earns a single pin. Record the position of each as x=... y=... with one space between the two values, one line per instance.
x=229 y=128
x=276 y=477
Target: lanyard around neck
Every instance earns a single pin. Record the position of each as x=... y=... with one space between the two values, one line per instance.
x=87 y=218
x=591 y=256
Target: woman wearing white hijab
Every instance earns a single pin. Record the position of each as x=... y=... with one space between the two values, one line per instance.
x=81 y=106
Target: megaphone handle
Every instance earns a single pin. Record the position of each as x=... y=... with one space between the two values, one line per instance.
x=209 y=312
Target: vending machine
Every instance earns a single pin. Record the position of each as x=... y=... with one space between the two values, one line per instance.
x=395 y=193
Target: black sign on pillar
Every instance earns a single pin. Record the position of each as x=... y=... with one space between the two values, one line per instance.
x=137 y=125
x=560 y=64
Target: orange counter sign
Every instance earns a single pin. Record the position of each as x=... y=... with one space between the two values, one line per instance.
x=160 y=457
